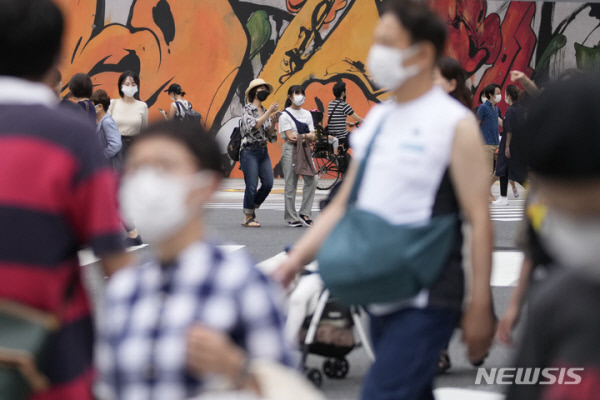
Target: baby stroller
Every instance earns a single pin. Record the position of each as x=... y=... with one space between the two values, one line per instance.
x=332 y=332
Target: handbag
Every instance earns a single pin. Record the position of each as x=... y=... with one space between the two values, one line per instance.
x=24 y=337
x=365 y=259
x=302 y=155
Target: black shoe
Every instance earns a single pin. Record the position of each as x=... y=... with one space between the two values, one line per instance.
x=295 y=224
x=306 y=220
x=136 y=241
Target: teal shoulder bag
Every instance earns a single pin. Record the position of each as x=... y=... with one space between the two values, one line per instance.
x=366 y=259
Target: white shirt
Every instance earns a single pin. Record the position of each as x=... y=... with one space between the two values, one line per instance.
x=130 y=117
x=286 y=123
x=407 y=163
x=409 y=157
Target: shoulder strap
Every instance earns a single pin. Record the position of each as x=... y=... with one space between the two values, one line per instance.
x=363 y=164
x=331 y=114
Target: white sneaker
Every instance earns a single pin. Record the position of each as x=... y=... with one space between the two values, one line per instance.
x=501 y=201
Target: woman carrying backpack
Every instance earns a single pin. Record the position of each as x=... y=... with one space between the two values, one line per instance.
x=179 y=105
x=257 y=128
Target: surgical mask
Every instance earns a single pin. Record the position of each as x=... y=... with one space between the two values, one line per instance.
x=573 y=241
x=386 y=65
x=156 y=202
x=498 y=98
x=262 y=95
x=483 y=99
x=129 y=91
x=298 y=100
x=506 y=100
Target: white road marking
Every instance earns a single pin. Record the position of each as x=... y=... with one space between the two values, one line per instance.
x=465 y=394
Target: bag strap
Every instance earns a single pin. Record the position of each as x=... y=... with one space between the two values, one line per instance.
x=363 y=164
x=295 y=121
x=331 y=115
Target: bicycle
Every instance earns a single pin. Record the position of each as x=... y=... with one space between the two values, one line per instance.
x=330 y=167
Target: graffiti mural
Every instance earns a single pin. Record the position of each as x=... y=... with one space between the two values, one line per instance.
x=214 y=48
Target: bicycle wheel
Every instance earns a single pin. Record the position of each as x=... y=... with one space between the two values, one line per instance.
x=327 y=170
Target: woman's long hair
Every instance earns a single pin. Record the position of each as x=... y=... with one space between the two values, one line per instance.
x=296 y=89
x=451 y=69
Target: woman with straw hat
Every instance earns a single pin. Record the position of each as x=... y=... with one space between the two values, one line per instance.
x=257 y=128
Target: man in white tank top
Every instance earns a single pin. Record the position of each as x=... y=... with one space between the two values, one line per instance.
x=426 y=161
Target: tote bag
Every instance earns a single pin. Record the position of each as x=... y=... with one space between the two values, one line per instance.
x=366 y=259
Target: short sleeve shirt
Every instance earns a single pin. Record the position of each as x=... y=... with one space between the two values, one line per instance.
x=286 y=123
x=338 y=111
x=251 y=134
x=488 y=117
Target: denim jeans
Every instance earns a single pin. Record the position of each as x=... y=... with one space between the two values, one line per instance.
x=256 y=164
x=407 y=347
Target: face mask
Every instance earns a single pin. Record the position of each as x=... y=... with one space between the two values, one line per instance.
x=498 y=98
x=573 y=242
x=262 y=95
x=156 y=202
x=386 y=65
x=298 y=100
x=483 y=99
x=129 y=91
x=506 y=100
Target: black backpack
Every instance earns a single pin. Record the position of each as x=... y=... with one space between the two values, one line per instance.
x=188 y=113
x=235 y=144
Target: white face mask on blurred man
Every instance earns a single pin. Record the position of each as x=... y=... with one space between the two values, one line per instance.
x=386 y=64
x=157 y=202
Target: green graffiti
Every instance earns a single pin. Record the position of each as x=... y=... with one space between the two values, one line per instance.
x=558 y=42
x=587 y=58
x=259 y=27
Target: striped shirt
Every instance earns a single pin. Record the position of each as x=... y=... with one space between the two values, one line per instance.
x=57 y=194
x=338 y=111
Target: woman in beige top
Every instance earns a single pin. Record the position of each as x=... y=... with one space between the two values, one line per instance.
x=129 y=113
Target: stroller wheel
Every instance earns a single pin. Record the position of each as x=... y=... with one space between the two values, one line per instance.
x=341 y=368
x=328 y=369
x=315 y=377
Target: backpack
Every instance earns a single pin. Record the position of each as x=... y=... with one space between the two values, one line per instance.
x=187 y=113
x=235 y=144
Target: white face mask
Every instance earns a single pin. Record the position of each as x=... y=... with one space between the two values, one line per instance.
x=506 y=100
x=156 y=202
x=573 y=242
x=386 y=65
x=298 y=100
x=129 y=91
x=498 y=98
x=483 y=99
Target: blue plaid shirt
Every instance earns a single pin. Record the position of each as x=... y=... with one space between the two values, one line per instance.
x=141 y=347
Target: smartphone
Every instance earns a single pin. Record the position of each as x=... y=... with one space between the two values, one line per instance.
x=161 y=110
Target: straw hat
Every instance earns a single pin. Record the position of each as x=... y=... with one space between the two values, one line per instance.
x=257 y=83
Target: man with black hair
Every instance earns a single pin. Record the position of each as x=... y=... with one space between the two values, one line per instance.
x=338 y=111
x=410 y=170
x=57 y=195
x=561 y=145
x=489 y=122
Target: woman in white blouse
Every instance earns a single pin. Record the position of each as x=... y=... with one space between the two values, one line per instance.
x=129 y=113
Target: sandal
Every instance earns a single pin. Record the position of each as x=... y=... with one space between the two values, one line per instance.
x=251 y=223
